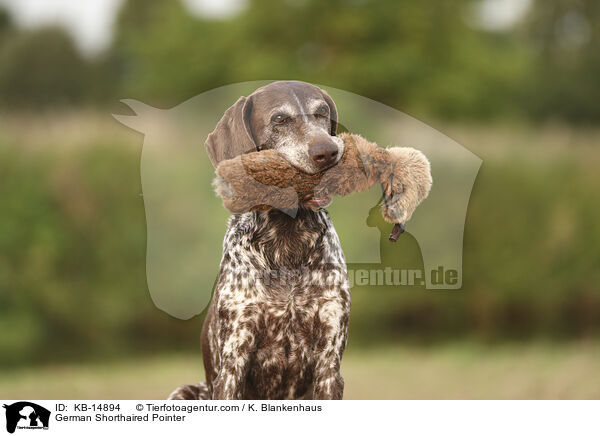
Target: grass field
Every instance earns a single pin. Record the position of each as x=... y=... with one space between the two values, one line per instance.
x=456 y=371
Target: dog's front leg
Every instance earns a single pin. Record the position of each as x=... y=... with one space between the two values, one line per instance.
x=229 y=382
x=328 y=383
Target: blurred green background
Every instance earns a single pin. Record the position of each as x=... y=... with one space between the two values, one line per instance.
x=523 y=95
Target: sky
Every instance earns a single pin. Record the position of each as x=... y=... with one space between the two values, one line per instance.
x=90 y=22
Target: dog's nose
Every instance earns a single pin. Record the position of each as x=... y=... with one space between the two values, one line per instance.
x=323 y=153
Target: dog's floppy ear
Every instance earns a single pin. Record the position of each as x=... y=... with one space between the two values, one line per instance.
x=333 y=113
x=232 y=136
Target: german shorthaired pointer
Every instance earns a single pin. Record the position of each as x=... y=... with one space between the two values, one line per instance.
x=277 y=324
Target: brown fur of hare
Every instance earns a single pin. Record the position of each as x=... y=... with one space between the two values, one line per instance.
x=264 y=179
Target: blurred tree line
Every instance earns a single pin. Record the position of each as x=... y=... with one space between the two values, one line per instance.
x=428 y=59
x=73 y=257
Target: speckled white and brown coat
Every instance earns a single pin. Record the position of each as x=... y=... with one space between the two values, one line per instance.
x=277 y=325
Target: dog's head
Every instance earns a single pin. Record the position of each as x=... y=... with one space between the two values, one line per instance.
x=297 y=119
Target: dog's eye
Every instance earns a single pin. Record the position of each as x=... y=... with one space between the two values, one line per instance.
x=280 y=119
x=322 y=112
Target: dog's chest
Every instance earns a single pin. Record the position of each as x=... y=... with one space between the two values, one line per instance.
x=291 y=334
x=293 y=318
x=293 y=308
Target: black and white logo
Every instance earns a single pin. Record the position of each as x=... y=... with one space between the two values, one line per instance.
x=26 y=415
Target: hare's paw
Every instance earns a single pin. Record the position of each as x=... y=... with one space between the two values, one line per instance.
x=408 y=185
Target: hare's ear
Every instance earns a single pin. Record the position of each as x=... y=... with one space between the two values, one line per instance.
x=333 y=113
x=232 y=136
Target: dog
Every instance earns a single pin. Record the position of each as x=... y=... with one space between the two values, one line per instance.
x=277 y=325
